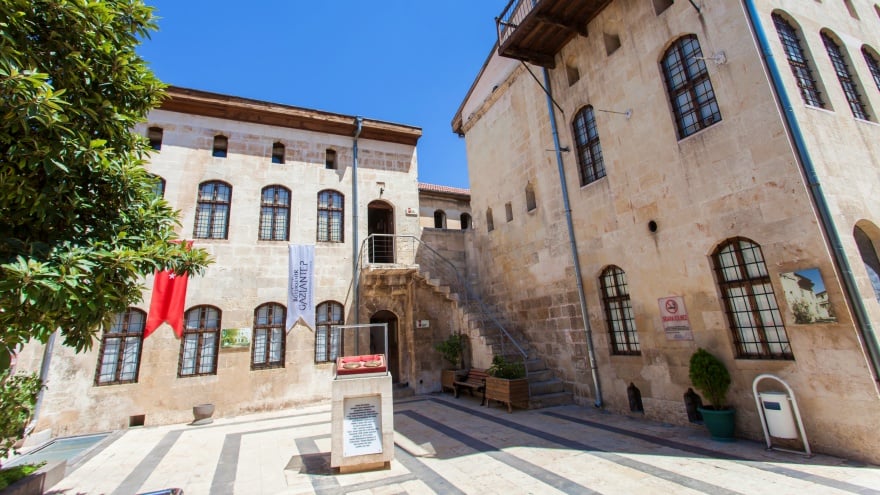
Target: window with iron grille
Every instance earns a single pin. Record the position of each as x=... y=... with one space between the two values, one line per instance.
x=798 y=62
x=212 y=210
x=690 y=90
x=120 y=354
x=331 y=208
x=200 y=342
x=619 y=312
x=847 y=81
x=749 y=301
x=277 y=153
x=158 y=186
x=327 y=340
x=267 y=350
x=591 y=165
x=873 y=64
x=275 y=214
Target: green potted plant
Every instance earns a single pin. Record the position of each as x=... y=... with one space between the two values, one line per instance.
x=452 y=350
x=711 y=378
x=507 y=383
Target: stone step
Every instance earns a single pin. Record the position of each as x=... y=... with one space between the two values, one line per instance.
x=536 y=364
x=545 y=387
x=399 y=391
x=550 y=400
x=540 y=375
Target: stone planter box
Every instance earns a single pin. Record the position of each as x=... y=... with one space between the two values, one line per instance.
x=39 y=481
x=511 y=392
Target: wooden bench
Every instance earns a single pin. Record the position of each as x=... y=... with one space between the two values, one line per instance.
x=475 y=380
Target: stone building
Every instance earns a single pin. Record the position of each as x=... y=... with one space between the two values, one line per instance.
x=250 y=178
x=705 y=151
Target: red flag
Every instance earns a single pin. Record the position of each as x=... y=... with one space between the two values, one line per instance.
x=169 y=296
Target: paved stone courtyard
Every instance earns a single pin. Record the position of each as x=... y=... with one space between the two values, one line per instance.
x=453 y=446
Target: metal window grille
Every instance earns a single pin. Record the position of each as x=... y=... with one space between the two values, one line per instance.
x=328 y=340
x=847 y=82
x=873 y=66
x=267 y=350
x=690 y=90
x=200 y=343
x=619 y=312
x=275 y=214
x=330 y=216
x=591 y=165
x=212 y=211
x=158 y=186
x=750 y=302
x=120 y=353
x=798 y=62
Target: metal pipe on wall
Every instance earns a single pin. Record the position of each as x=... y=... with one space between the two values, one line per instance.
x=359 y=122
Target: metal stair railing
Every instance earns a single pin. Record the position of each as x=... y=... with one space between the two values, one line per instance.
x=391 y=250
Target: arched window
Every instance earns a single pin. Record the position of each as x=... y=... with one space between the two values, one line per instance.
x=220 y=145
x=120 y=354
x=465 y=221
x=200 y=342
x=269 y=332
x=328 y=342
x=619 y=312
x=330 y=159
x=212 y=210
x=439 y=219
x=591 y=165
x=275 y=213
x=154 y=134
x=749 y=301
x=690 y=90
x=490 y=222
x=869 y=257
x=873 y=64
x=531 y=204
x=848 y=82
x=158 y=186
x=798 y=61
x=331 y=209
x=277 y=153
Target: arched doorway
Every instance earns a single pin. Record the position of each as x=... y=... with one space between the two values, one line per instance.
x=377 y=342
x=380 y=221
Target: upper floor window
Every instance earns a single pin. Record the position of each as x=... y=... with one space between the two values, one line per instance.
x=508 y=211
x=531 y=204
x=328 y=341
x=465 y=221
x=690 y=90
x=873 y=64
x=847 y=81
x=330 y=159
x=269 y=332
x=439 y=219
x=331 y=208
x=749 y=301
x=275 y=213
x=277 y=153
x=798 y=62
x=212 y=211
x=490 y=222
x=591 y=165
x=660 y=6
x=158 y=185
x=120 y=354
x=221 y=142
x=154 y=134
x=619 y=312
x=200 y=342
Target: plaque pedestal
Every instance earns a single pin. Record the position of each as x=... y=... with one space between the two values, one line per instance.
x=362 y=423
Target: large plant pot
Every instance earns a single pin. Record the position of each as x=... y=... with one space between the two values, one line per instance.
x=513 y=392
x=202 y=414
x=720 y=423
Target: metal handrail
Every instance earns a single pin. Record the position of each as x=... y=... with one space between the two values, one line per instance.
x=512 y=16
x=390 y=250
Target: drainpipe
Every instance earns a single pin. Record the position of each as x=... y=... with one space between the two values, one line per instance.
x=826 y=220
x=359 y=122
x=44 y=377
x=591 y=352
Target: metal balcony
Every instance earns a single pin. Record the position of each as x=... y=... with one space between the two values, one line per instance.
x=535 y=30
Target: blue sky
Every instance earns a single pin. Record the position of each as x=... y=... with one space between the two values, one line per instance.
x=403 y=61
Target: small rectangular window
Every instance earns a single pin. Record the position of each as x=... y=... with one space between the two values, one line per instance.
x=508 y=211
x=330 y=160
x=277 y=153
x=154 y=134
x=220 y=145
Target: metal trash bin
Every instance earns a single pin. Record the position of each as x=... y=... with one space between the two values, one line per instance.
x=777 y=411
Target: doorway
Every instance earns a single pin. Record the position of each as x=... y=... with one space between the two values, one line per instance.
x=380 y=221
x=377 y=342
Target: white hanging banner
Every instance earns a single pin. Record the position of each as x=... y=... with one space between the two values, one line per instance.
x=301 y=285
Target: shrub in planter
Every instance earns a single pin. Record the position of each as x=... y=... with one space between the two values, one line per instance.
x=452 y=349
x=507 y=383
x=711 y=378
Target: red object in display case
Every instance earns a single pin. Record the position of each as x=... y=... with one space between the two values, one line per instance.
x=357 y=365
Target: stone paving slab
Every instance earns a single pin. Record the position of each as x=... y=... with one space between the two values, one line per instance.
x=453 y=446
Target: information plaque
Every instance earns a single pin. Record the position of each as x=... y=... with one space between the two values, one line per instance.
x=362 y=426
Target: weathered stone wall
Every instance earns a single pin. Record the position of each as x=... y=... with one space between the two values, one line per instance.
x=738 y=177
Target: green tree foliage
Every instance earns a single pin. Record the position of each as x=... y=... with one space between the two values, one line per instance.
x=18 y=397
x=79 y=221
